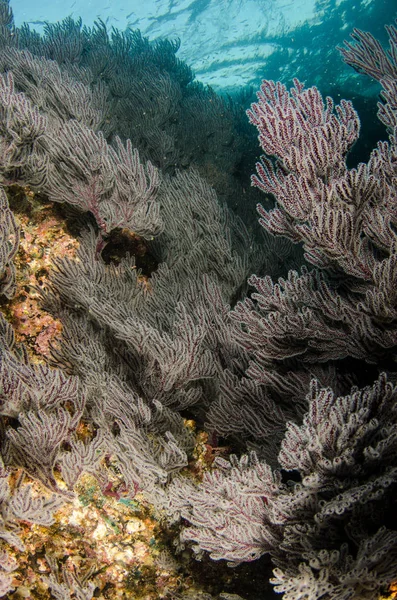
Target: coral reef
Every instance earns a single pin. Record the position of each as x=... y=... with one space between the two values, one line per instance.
x=111 y=368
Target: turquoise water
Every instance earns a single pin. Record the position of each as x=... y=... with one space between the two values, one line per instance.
x=233 y=43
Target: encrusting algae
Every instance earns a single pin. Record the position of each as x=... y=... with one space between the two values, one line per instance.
x=44 y=237
x=103 y=537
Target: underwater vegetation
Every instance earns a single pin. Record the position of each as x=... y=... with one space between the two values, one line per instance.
x=156 y=396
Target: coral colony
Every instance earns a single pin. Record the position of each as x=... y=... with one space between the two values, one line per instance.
x=106 y=143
